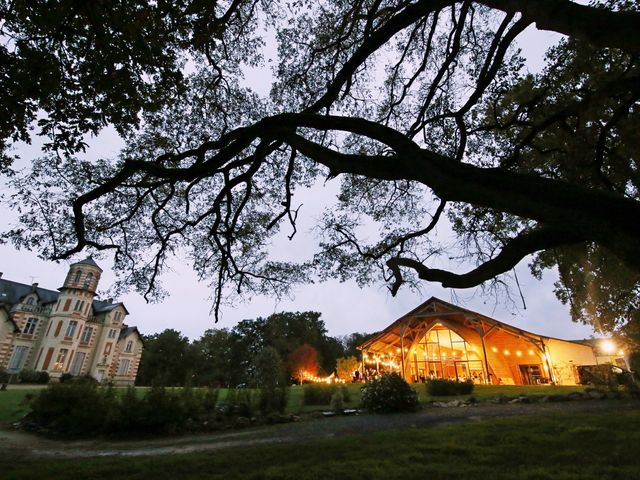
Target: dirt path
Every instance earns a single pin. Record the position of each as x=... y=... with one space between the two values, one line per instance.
x=19 y=444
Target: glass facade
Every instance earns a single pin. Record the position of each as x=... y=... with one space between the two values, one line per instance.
x=442 y=353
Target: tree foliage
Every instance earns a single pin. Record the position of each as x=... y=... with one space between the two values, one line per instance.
x=345 y=366
x=303 y=361
x=422 y=108
x=254 y=353
x=167 y=360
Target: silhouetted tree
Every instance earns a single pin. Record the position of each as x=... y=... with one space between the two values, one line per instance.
x=422 y=108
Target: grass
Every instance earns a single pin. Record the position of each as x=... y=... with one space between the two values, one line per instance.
x=13 y=406
x=561 y=447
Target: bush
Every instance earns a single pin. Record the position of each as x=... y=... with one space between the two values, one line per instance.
x=239 y=402
x=319 y=394
x=70 y=409
x=31 y=376
x=85 y=379
x=389 y=393
x=337 y=401
x=66 y=377
x=273 y=399
x=4 y=376
x=440 y=387
x=210 y=400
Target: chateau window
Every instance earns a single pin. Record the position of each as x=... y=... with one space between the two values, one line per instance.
x=76 y=365
x=30 y=301
x=117 y=316
x=86 y=335
x=67 y=305
x=124 y=366
x=30 y=326
x=71 y=328
x=18 y=358
x=87 y=281
x=78 y=305
x=112 y=333
x=129 y=347
x=62 y=356
x=77 y=278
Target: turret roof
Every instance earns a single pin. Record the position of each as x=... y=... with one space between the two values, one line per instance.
x=88 y=261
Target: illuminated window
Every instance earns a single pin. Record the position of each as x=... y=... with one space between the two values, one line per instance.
x=442 y=353
x=62 y=356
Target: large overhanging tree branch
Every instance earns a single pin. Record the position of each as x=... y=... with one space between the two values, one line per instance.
x=421 y=108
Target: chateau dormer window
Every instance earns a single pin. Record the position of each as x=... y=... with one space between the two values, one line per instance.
x=30 y=301
x=129 y=347
x=78 y=274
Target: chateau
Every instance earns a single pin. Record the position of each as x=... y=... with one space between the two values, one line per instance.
x=67 y=331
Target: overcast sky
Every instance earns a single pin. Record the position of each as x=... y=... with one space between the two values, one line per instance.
x=345 y=308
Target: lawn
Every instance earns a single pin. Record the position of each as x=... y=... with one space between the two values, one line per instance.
x=13 y=407
x=563 y=447
x=13 y=404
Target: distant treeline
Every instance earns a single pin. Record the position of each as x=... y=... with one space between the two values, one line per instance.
x=230 y=357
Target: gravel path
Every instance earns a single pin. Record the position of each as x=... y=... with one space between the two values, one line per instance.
x=16 y=444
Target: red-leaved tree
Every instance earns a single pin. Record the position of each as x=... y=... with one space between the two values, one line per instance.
x=303 y=361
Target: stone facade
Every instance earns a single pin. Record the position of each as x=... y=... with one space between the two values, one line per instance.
x=69 y=330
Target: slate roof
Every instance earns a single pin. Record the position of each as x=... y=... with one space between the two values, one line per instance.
x=88 y=261
x=12 y=292
x=100 y=306
x=127 y=330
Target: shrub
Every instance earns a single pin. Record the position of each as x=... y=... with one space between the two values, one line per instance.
x=440 y=386
x=66 y=377
x=273 y=399
x=210 y=400
x=238 y=402
x=319 y=394
x=70 y=409
x=84 y=379
x=4 y=376
x=31 y=376
x=337 y=401
x=389 y=393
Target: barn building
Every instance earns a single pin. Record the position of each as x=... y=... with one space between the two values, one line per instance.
x=441 y=340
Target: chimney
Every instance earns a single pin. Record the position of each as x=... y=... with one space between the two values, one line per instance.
x=0 y=274
x=34 y=286
x=109 y=301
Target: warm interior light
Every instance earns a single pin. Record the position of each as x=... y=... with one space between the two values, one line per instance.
x=519 y=353
x=620 y=352
x=608 y=347
x=494 y=349
x=507 y=352
x=530 y=352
